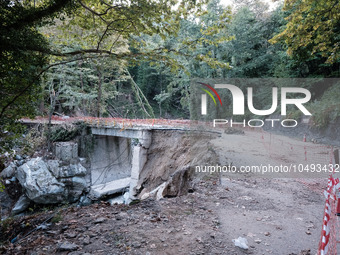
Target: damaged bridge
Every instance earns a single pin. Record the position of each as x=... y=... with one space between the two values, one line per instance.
x=117 y=159
x=140 y=158
x=133 y=157
x=121 y=155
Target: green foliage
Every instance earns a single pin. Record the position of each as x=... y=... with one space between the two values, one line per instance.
x=83 y=86
x=250 y=54
x=6 y=224
x=103 y=29
x=2 y=186
x=22 y=58
x=312 y=29
x=63 y=133
x=57 y=218
x=33 y=140
x=197 y=50
x=326 y=109
x=78 y=31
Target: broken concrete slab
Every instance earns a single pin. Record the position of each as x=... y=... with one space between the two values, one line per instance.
x=157 y=192
x=177 y=185
x=109 y=188
x=160 y=191
x=114 y=144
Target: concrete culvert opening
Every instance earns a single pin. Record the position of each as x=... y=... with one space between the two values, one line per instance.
x=111 y=163
x=117 y=159
x=111 y=159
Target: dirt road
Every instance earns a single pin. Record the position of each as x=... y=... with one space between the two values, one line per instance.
x=277 y=215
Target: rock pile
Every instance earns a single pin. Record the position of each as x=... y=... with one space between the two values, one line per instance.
x=43 y=181
x=46 y=182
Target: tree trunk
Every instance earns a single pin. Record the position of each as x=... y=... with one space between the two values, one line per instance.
x=50 y=113
x=99 y=95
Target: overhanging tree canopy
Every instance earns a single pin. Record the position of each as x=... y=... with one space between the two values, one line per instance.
x=313 y=28
x=97 y=27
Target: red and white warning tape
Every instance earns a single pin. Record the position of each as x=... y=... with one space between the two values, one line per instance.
x=333 y=185
x=325 y=229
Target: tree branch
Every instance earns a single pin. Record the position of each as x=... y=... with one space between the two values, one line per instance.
x=37 y=15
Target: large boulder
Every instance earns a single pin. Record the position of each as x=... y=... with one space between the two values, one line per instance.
x=46 y=182
x=53 y=167
x=40 y=185
x=65 y=171
x=72 y=170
